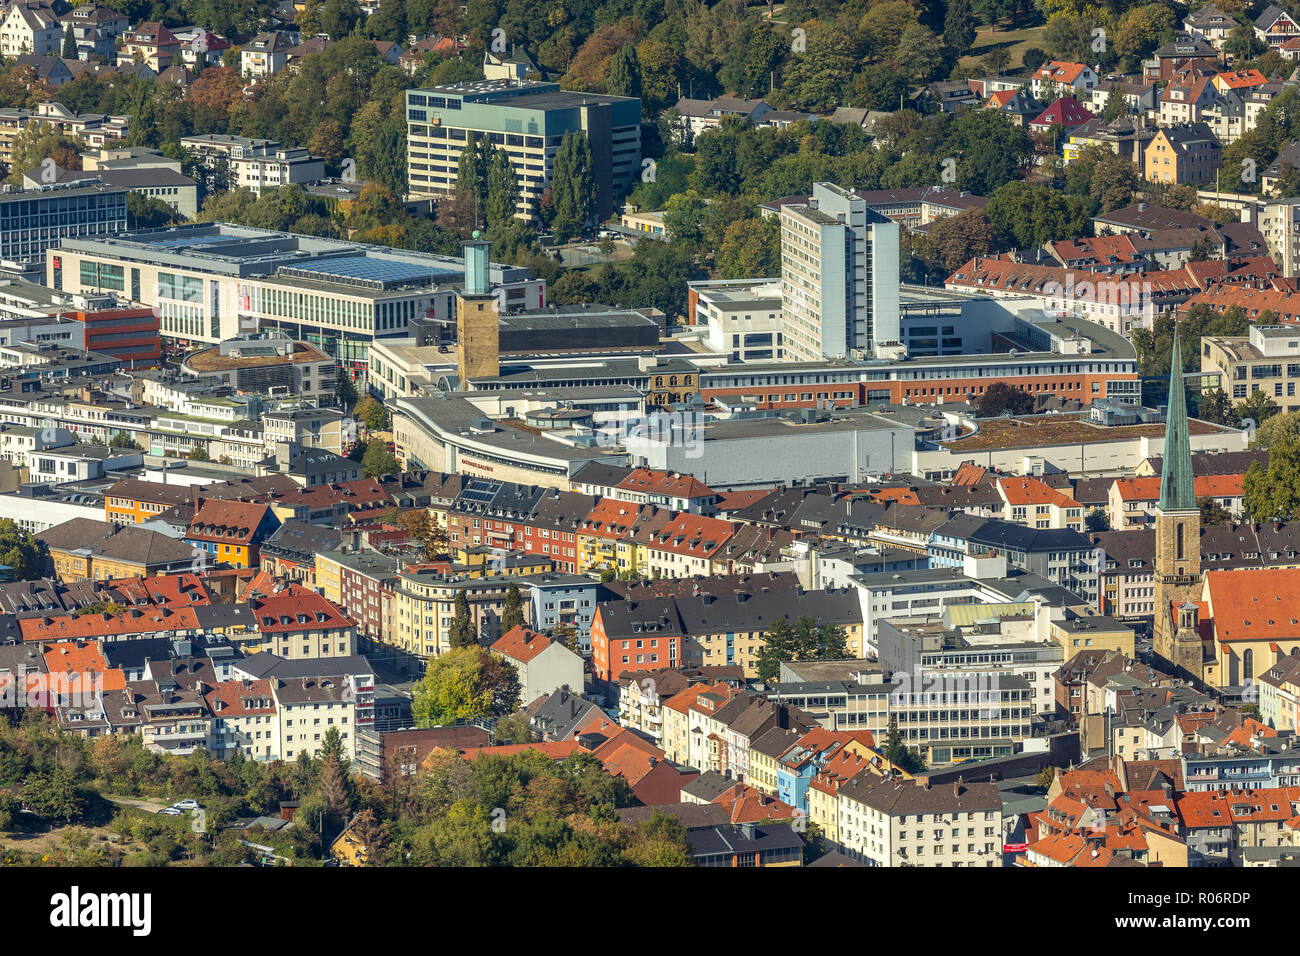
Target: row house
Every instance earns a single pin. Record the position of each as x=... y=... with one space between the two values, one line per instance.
x=665 y=489
x=173 y=720
x=713 y=630
x=845 y=764
x=685 y=546
x=311 y=697
x=362 y=583
x=291 y=552
x=308 y=707
x=231 y=532
x=267 y=709
x=800 y=763
x=1219 y=826
x=722 y=730
x=1259 y=762
x=1279 y=694
x=642 y=695
x=132 y=501
x=1118 y=302
x=608 y=535
x=1133 y=500
x=243 y=720
x=679 y=717
x=491 y=513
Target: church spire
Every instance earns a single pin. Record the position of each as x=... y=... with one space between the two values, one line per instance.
x=1177 y=492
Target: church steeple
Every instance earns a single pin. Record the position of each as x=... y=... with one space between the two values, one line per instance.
x=1178 y=540
x=1177 y=490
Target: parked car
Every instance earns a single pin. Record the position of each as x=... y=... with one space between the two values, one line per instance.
x=170 y=812
x=183 y=805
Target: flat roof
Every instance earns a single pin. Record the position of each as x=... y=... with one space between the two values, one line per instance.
x=1067 y=429
x=211 y=359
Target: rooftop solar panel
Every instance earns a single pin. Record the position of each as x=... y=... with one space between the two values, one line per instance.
x=181 y=241
x=376 y=270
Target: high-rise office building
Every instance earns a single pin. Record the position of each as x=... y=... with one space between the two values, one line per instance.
x=839 y=276
x=528 y=121
x=34 y=220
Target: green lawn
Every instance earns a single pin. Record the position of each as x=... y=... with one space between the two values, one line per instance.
x=1016 y=42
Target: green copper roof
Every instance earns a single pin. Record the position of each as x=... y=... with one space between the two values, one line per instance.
x=1177 y=492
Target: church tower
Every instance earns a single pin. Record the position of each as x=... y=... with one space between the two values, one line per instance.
x=1178 y=538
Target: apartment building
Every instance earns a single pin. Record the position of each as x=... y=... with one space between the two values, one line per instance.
x=839 y=276
x=1279 y=694
x=271 y=170
x=30 y=27
x=97 y=129
x=424 y=607
x=312 y=696
x=243 y=720
x=263 y=55
x=885 y=822
x=544 y=666
x=83 y=549
x=1257 y=361
x=1187 y=153
x=528 y=121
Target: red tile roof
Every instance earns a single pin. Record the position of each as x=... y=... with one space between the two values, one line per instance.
x=1064 y=112
x=1240 y=79
x=85 y=663
x=654 y=482
x=236 y=698
x=1059 y=71
x=136 y=620
x=227 y=522
x=1031 y=491
x=297 y=609
x=1254 y=604
x=521 y=643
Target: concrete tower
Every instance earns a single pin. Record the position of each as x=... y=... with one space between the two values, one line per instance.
x=1178 y=540
x=478 y=329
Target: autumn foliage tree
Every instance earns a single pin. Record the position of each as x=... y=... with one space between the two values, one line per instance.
x=213 y=96
x=590 y=67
